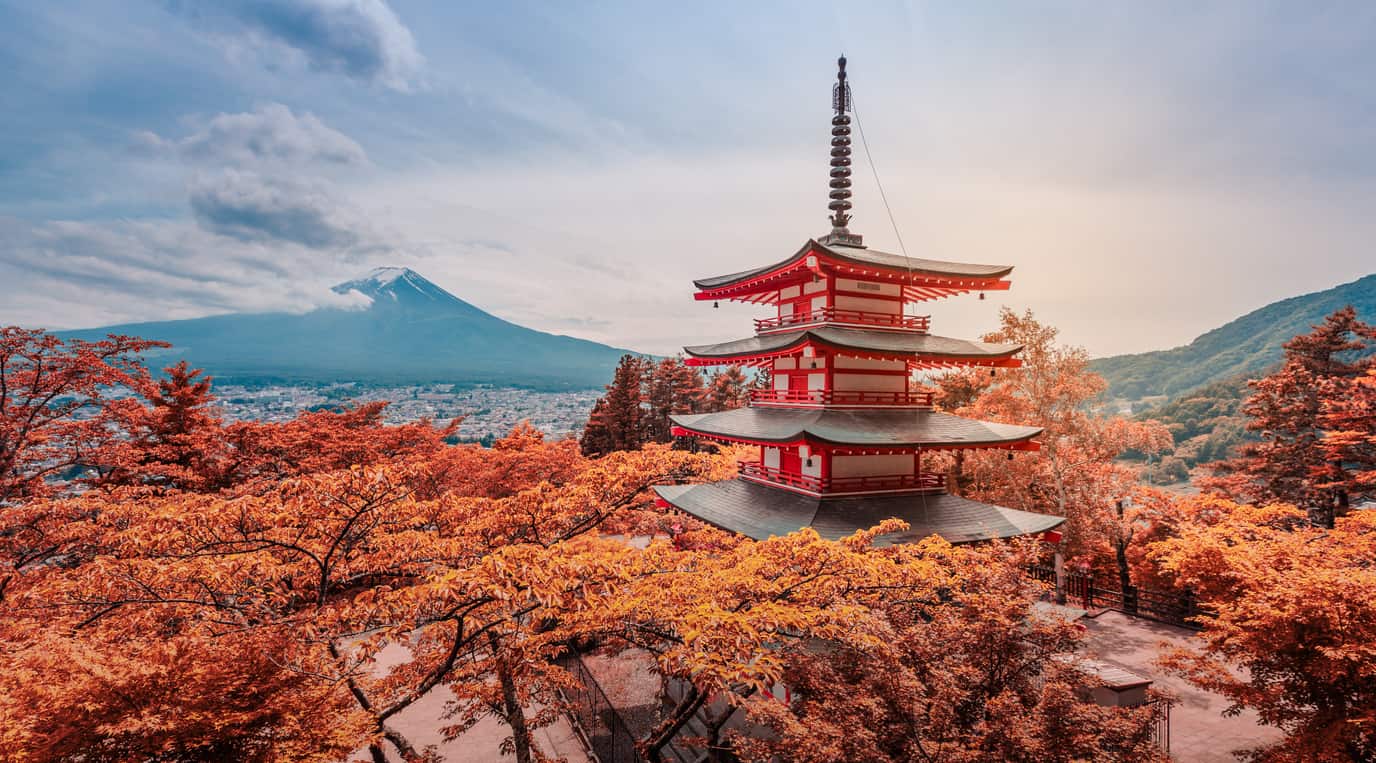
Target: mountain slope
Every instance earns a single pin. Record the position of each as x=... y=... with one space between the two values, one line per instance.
x=414 y=332
x=1247 y=345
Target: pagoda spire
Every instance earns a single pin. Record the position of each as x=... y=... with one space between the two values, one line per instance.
x=840 y=162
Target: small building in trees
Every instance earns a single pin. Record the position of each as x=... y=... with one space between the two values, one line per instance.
x=840 y=434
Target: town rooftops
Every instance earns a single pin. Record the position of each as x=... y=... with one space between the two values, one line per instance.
x=758 y=511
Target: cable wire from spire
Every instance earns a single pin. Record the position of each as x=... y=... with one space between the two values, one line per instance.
x=859 y=126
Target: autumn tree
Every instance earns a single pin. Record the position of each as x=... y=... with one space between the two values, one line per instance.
x=317 y=576
x=1293 y=625
x=967 y=671
x=172 y=436
x=1290 y=462
x=1076 y=474
x=925 y=651
x=53 y=396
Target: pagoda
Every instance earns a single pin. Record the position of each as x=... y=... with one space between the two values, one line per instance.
x=840 y=434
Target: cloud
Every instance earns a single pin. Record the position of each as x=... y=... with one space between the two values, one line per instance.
x=252 y=207
x=360 y=39
x=80 y=273
x=269 y=134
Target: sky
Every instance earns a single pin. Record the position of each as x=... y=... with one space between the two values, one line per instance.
x=1152 y=170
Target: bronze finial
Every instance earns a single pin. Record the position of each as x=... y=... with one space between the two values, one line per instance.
x=840 y=160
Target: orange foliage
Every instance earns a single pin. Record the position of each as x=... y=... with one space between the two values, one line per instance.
x=226 y=591
x=1294 y=611
x=1075 y=474
x=53 y=397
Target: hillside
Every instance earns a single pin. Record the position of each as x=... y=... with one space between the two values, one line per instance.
x=413 y=332
x=1243 y=347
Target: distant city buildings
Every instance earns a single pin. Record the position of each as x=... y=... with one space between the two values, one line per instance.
x=486 y=411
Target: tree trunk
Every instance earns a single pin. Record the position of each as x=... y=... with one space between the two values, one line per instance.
x=514 y=713
x=683 y=712
x=1120 y=547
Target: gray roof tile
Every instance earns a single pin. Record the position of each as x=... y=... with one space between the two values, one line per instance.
x=759 y=511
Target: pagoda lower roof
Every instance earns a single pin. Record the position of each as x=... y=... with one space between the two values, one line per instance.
x=758 y=511
x=874 y=428
x=865 y=342
x=872 y=258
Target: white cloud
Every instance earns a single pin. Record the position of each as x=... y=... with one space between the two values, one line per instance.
x=270 y=134
x=253 y=207
x=359 y=39
x=64 y=274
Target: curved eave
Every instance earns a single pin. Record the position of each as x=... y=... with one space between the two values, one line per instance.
x=921 y=278
x=759 y=512
x=872 y=428
x=922 y=350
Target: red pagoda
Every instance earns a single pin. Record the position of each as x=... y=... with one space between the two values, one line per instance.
x=840 y=435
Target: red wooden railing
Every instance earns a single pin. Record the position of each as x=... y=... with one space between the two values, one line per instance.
x=839 y=397
x=852 y=317
x=934 y=483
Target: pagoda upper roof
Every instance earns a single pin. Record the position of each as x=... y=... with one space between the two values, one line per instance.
x=865 y=428
x=759 y=511
x=867 y=258
x=861 y=342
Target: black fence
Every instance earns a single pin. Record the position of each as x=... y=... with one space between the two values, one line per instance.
x=1174 y=608
x=1163 y=724
x=606 y=733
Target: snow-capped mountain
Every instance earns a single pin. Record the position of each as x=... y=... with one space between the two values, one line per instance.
x=412 y=331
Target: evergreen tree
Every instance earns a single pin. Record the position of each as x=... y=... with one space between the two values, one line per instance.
x=671 y=387
x=1290 y=464
x=728 y=389
x=617 y=421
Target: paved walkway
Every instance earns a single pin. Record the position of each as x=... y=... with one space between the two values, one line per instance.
x=1199 y=730
x=421 y=723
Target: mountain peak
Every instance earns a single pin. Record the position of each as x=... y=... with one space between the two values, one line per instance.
x=404 y=288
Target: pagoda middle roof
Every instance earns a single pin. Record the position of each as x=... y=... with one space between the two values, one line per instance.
x=876 y=428
x=863 y=340
x=759 y=511
x=865 y=256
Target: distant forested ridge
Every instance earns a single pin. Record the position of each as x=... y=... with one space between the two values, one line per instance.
x=1246 y=347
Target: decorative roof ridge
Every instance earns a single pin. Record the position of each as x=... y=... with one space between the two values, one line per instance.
x=825 y=335
x=873 y=428
x=866 y=257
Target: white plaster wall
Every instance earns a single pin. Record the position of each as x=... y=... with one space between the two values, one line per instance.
x=771 y=458
x=847 y=361
x=870 y=383
x=852 y=284
x=867 y=466
x=888 y=306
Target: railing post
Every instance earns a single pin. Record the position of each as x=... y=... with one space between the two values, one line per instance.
x=1059 y=562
